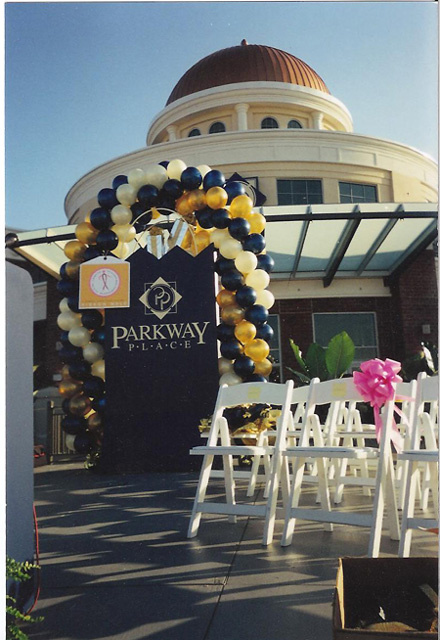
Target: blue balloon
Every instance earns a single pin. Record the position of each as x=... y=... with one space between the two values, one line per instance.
x=107 y=240
x=90 y=253
x=265 y=332
x=257 y=314
x=63 y=272
x=148 y=196
x=222 y=265
x=255 y=377
x=172 y=188
x=107 y=198
x=254 y=242
x=100 y=219
x=265 y=262
x=91 y=319
x=99 y=335
x=191 y=178
x=98 y=404
x=239 y=228
x=234 y=189
x=164 y=163
x=68 y=353
x=244 y=366
x=64 y=338
x=232 y=280
x=225 y=332
x=67 y=287
x=165 y=203
x=230 y=349
x=246 y=296
x=205 y=218
x=83 y=443
x=73 y=424
x=94 y=387
x=118 y=180
x=213 y=178
x=79 y=370
x=220 y=218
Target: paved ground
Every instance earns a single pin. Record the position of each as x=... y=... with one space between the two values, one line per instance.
x=116 y=564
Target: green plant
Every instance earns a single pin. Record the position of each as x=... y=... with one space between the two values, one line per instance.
x=324 y=363
x=17 y=572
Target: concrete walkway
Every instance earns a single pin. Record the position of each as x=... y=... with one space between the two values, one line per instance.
x=116 y=564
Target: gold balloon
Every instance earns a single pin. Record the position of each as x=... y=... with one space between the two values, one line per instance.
x=232 y=314
x=68 y=388
x=98 y=369
x=245 y=331
x=72 y=270
x=183 y=205
x=79 y=405
x=263 y=367
x=257 y=349
x=216 y=198
x=86 y=233
x=122 y=250
x=225 y=298
x=65 y=373
x=94 y=421
x=257 y=222
x=74 y=250
x=125 y=232
x=202 y=240
x=240 y=206
x=196 y=200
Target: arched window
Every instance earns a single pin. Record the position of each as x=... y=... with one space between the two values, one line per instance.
x=194 y=132
x=269 y=123
x=294 y=124
x=217 y=127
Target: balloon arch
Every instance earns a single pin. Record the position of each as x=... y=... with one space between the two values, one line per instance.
x=139 y=205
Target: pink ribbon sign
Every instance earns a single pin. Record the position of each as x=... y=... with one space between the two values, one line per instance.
x=376 y=382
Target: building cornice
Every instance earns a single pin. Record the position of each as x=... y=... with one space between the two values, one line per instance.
x=274 y=93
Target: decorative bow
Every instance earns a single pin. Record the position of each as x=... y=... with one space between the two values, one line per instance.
x=376 y=382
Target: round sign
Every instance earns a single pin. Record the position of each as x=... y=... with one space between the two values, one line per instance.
x=104 y=282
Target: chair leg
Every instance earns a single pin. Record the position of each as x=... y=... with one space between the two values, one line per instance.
x=229 y=483
x=324 y=490
x=408 y=510
x=289 y=523
x=391 y=502
x=200 y=495
x=378 y=510
x=272 y=499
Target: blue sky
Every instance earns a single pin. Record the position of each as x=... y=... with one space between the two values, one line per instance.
x=84 y=80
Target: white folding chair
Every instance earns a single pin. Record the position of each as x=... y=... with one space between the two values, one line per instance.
x=326 y=393
x=424 y=426
x=219 y=443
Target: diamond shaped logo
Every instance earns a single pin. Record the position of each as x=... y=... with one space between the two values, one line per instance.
x=160 y=297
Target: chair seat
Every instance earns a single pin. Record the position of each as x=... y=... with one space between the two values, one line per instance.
x=422 y=455
x=239 y=450
x=331 y=452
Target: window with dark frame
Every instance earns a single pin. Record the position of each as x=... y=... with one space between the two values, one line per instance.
x=294 y=124
x=217 y=127
x=360 y=326
x=299 y=191
x=269 y=123
x=356 y=192
x=194 y=132
x=275 y=348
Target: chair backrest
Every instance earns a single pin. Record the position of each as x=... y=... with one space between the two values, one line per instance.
x=427 y=393
x=251 y=393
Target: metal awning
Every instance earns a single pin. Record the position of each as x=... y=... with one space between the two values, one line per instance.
x=348 y=241
x=307 y=242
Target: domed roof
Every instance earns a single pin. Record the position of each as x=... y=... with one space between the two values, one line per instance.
x=246 y=63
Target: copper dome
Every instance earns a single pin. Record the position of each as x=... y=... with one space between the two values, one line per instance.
x=246 y=63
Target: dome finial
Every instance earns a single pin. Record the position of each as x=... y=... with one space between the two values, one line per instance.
x=244 y=42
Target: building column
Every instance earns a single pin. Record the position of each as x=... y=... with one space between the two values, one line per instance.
x=242 y=110
x=172 y=133
x=317 y=118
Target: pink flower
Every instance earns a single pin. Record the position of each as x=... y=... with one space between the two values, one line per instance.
x=376 y=380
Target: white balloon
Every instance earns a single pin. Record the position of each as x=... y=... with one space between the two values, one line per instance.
x=93 y=352
x=175 y=168
x=225 y=366
x=79 y=336
x=230 y=248
x=121 y=214
x=98 y=369
x=246 y=261
x=230 y=379
x=126 y=194
x=218 y=235
x=63 y=306
x=265 y=298
x=136 y=178
x=70 y=442
x=156 y=175
x=258 y=279
x=204 y=169
x=67 y=320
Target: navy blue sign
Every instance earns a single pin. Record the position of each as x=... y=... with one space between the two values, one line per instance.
x=161 y=364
